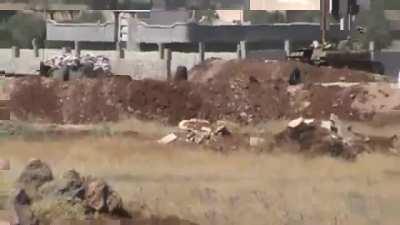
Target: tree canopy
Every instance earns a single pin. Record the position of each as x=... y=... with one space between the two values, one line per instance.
x=377 y=25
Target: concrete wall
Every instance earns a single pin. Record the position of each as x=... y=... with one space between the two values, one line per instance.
x=137 y=64
x=88 y=32
x=186 y=33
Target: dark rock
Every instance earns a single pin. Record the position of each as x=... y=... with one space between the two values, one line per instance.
x=70 y=186
x=34 y=175
x=24 y=214
x=181 y=73
x=96 y=195
x=114 y=202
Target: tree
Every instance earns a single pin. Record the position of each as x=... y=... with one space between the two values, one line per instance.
x=90 y=17
x=264 y=17
x=378 y=29
x=24 y=27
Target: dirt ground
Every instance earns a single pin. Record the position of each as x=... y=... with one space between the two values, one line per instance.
x=109 y=128
x=242 y=187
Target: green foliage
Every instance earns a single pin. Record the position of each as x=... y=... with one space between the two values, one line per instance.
x=264 y=17
x=311 y=16
x=378 y=29
x=90 y=17
x=211 y=16
x=24 y=27
x=392 y=4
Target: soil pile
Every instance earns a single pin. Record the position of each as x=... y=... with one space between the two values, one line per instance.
x=242 y=91
x=273 y=70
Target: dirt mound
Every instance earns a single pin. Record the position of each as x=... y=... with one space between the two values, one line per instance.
x=96 y=100
x=111 y=99
x=242 y=91
x=220 y=69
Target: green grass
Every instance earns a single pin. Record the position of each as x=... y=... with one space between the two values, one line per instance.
x=4 y=191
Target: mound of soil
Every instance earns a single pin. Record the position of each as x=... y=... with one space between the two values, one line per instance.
x=241 y=91
x=216 y=68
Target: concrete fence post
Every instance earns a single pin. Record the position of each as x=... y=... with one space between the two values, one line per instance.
x=15 y=51
x=287 y=47
x=243 y=49
x=168 y=62
x=120 y=50
x=77 y=49
x=35 y=48
x=202 y=51
x=238 y=51
x=161 y=50
x=372 y=50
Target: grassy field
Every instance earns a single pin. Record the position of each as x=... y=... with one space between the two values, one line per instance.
x=225 y=189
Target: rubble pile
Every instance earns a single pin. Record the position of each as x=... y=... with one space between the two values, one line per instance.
x=216 y=135
x=197 y=131
x=200 y=131
x=331 y=136
x=40 y=197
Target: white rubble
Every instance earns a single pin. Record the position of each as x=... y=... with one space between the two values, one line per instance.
x=168 y=139
x=68 y=59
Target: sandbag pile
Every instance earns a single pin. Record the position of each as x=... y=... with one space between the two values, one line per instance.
x=96 y=62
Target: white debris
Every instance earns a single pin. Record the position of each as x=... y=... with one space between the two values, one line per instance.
x=168 y=139
x=295 y=123
x=326 y=124
x=256 y=141
x=309 y=121
x=193 y=124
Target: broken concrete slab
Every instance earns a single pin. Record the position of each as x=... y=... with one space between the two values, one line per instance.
x=193 y=124
x=168 y=139
x=327 y=124
x=296 y=122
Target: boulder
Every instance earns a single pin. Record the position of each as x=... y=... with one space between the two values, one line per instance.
x=24 y=214
x=70 y=186
x=96 y=195
x=34 y=175
x=114 y=202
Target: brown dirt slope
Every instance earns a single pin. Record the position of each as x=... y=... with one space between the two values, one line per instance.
x=243 y=91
